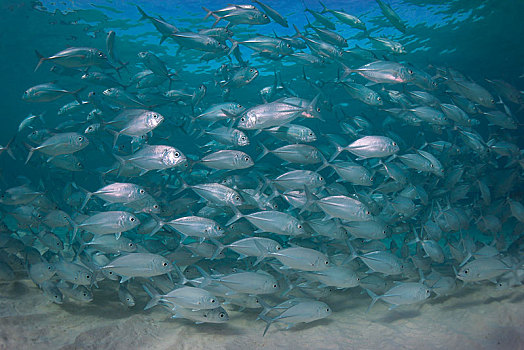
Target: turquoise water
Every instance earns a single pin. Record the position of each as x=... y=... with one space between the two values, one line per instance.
x=387 y=169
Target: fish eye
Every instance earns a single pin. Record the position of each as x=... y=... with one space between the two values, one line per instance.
x=310 y=134
x=318 y=109
x=177 y=154
x=327 y=310
x=242 y=119
x=275 y=206
x=142 y=191
x=243 y=138
x=410 y=71
x=49 y=267
x=155 y=206
x=246 y=159
x=164 y=264
x=85 y=294
x=432 y=165
x=222 y=315
x=239 y=105
x=288 y=45
x=212 y=300
x=132 y=218
x=326 y=262
x=299 y=226
x=278 y=248
x=58 y=244
x=155 y=116
x=274 y=286
x=131 y=244
x=265 y=16
x=379 y=98
x=394 y=143
x=466 y=271
x=321 y=178
x=88 y=277
x=251 y=70
x=80 y=138
x=237 y=198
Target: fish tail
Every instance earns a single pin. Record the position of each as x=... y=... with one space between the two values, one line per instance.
x=183 y=186
x=265 y=151
x=220 y=248
x=266 y=306
x=41 y=59
x=353 y=255
x=238 y=216
x=205 y=275
x=181 y=277
x=234 y=46
x=121 y=163
x=8 y=148
x=337 y=152
x=310 y=200
x=144 y=15
x=31 y=151
x=324 y=8
x=88 y=197
x=75 y=228
x=298 y=32
x=374 y=299
x=347 y=70
x=153 y=293
x=209 y=13
x=268 y=322
x=76 y=92
x=325 y=163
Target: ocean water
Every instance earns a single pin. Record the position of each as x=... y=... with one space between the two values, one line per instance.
x=337 y=182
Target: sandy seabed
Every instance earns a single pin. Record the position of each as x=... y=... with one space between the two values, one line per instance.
x=476 y=317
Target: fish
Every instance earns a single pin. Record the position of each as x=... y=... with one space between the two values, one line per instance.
x=214 y=160
x=138 y=265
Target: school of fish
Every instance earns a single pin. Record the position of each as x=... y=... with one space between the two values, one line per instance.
x=203 y=205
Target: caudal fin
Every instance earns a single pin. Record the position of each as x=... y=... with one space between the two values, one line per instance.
x=374 y=299
x=238 y=216
x=41 y=59
x=268 y=322
x=144 y=15
x=153 y=293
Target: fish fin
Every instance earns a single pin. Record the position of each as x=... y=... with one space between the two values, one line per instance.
x=125 y=278
x=77 y=97
x=30 y=154
x=88 y=197
x=238 y=216
x=268 y=322
x=219 y=249
x=153 y=293
x=374 y=299
x=118 y=234
x=41 y=59
x=265 y=151
x=207 y=277
x=209 y=12
x=144 y=15
x=339 y=150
